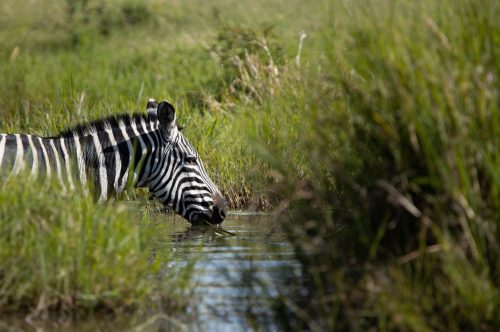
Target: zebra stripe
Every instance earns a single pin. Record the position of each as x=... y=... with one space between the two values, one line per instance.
x=80 y=161
x=116 y=155
x=19 y=162
x=102 y=174
x=125 y=167
x=67 y=163
x=147 y=167
x=2 y=148
x=142 y=149
x=45 y=156
x=58 y=163
x=34 y=167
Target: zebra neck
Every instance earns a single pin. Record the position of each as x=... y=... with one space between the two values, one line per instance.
x=118 y=162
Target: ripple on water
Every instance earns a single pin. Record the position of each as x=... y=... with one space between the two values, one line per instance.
x=236 y=274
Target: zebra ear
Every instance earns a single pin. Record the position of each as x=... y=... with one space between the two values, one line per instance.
x=166 y=115
x=152 y=107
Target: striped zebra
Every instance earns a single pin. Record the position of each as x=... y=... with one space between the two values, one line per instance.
x=114 y=153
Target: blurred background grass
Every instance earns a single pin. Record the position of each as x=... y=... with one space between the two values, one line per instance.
x=376 y=122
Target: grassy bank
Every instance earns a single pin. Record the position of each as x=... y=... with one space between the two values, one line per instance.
x=64 y=256
x=377 y=120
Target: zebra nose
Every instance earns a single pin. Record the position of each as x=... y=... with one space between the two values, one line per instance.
x=219 y=209
x=218 y=215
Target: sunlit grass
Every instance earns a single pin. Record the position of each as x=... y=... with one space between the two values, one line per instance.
x=63 y=251
x=388 y=117
x=65 y=257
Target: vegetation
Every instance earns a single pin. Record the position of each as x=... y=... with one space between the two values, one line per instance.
x=401 y=133
x=68 y=256
x=376 y=122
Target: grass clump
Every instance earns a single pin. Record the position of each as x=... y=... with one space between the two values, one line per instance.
x=62 y=254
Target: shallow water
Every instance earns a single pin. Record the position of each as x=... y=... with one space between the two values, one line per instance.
x=236 y=277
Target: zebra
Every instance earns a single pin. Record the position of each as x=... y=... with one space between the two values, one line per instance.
x=113 y=153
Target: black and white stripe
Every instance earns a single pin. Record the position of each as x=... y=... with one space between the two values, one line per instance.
x=117 y=152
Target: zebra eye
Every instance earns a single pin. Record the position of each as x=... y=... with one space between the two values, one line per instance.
x=190 y=160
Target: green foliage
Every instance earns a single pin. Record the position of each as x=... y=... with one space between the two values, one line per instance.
x=380 y=128
x=397 y=220
x=62 y=252
x=249 y=61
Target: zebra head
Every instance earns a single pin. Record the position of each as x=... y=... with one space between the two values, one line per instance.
x=179 y=178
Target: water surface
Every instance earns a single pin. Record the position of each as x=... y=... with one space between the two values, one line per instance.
x=236 y=278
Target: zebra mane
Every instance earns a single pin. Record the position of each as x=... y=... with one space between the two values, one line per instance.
x=99 y=125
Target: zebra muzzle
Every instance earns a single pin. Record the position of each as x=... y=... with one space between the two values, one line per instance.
x=218 y=209
x=218 y=215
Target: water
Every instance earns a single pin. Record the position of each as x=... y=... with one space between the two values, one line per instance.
x=236 y=277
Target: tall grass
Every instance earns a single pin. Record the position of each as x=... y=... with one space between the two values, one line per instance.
x=398 y=202
x=380 y=128
x=64 y=254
